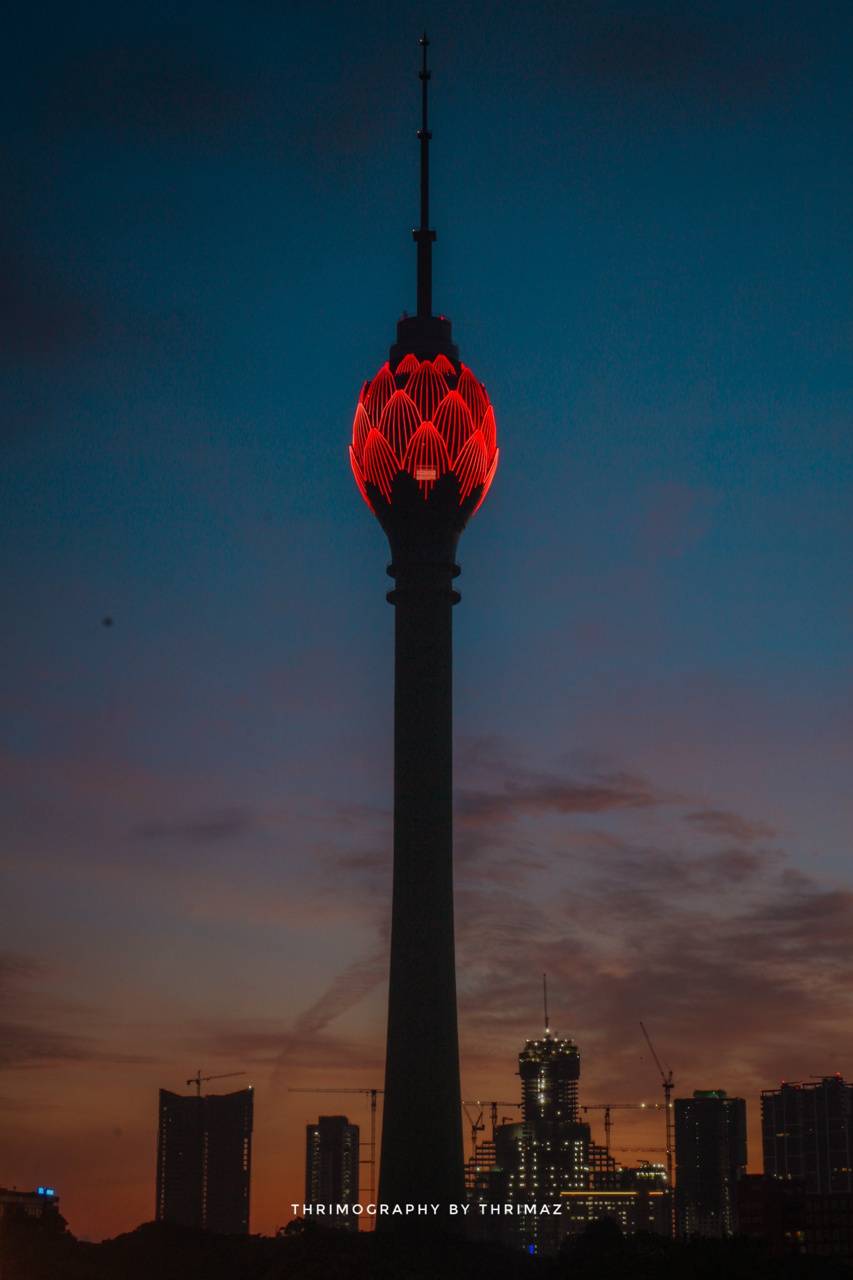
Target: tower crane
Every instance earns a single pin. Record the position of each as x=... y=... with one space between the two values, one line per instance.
x=493 y=1110
x=198 y=1079
x=477 y=1126
x=668 y=1085
x=372 y=1095
x=607 y=1107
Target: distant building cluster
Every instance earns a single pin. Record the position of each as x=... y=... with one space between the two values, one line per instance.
x=537 y=1179
x=541 y=1178
x=803 y=1203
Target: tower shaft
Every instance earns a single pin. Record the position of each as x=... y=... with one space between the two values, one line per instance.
x=422 y=1157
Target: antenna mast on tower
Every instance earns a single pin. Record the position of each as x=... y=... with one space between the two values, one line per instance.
x=424 y=236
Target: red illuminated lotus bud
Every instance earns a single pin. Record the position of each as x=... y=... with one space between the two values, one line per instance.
x=428 y=422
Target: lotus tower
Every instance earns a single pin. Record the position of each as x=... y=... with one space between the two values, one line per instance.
x=424 y=454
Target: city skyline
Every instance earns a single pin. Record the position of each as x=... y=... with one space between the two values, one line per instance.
x=644 y=249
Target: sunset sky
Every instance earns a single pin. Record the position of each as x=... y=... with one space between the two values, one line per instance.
x=643 y=216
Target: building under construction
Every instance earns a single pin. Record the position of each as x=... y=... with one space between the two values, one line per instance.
x=807 y=1133
x=548 y=1157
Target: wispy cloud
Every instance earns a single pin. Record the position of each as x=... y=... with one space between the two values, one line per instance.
x=718 y=822
x=739 y=960
x=521 y=794
x=36 y=1025
x=209 y=828
x=692 y=918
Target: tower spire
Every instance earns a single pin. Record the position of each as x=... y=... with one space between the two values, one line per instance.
x=423 y=236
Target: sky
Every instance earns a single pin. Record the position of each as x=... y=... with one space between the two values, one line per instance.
x=644 y=246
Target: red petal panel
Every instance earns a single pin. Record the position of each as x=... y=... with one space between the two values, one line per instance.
x=472 y=393
x=489 y=430
x=359 y=478
x=360 y=428
x=379 y=392
x=471 y=465
x=427 y=388
x=489 y=478
x=442 y=365
x=426 y=457
x=380 y=463
x=453 y=421
x=400 y=420
x=407 y=365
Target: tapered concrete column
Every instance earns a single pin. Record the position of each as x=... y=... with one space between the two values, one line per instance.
x=422 y=1158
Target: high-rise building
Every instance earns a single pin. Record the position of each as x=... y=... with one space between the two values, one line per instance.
x=710 y=1157
x=332 y=1167
x=807 y=1133
x=423 y=453
x=204 y=1158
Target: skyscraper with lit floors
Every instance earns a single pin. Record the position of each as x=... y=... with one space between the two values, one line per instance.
x=710 y=1157
x=204 y=1160
x=332 y=1167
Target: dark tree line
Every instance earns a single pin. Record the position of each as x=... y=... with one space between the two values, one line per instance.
x=44 y=1249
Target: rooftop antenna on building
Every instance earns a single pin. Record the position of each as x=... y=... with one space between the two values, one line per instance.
x=545 y=1003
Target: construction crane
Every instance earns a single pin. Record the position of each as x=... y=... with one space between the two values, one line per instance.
x=372 y=1094
x=198 y=1079
x=493 y=1109
x=477 y=1126
x=668 y=1085
x=607 y=1107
